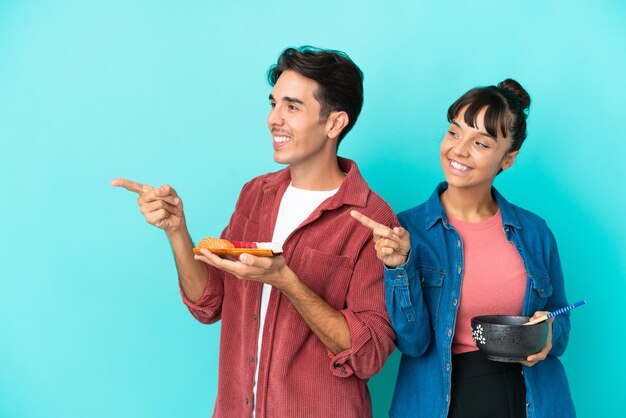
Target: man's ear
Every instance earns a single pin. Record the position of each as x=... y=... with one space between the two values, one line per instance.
x=335 y=123
x=508 y=160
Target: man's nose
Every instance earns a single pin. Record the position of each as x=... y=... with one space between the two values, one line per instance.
x=275 y=117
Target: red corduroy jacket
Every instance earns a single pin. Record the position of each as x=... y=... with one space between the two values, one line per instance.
x=332 y=254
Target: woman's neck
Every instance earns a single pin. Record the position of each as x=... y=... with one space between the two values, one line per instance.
x=469 y=205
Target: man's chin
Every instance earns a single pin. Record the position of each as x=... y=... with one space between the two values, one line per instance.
x=280 y=159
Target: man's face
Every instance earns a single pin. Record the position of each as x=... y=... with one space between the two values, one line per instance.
x=298 y=135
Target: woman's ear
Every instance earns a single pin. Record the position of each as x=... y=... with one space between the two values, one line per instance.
x=508 y=160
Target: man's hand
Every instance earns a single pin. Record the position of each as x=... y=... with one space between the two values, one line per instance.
x=326 y=322
x=537 y=357
x=161 y=206
x=270 y=270
x=392 y=245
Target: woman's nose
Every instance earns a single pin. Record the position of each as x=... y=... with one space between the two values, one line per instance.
x=462 y=147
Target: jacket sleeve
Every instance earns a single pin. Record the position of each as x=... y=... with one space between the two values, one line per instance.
x=370 y=330
x=407 y=309
x=561 y=324
x=208 y=309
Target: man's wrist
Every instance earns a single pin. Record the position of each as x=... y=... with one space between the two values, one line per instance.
x=179 y=234
x=290 y=282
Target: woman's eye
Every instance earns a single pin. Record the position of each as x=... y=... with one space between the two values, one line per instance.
x=453 y=134
x=481 y=145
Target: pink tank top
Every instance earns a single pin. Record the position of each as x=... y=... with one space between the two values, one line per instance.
x=494 y=282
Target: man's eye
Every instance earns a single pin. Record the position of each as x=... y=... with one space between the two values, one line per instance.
x=272 y=104
x=293 y=107
x=453 y=134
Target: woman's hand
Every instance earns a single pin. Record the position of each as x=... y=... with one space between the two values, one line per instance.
x=392 y=245
x=537 y=357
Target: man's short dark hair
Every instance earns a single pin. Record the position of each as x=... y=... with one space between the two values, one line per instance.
x=340 y=80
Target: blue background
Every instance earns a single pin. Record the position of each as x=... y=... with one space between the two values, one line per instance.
x=91 y=323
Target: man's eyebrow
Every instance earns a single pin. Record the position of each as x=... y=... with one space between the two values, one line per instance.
x=479 y=132
x=293 y=100
x=288 y=99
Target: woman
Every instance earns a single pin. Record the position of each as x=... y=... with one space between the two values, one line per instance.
x=464 y=252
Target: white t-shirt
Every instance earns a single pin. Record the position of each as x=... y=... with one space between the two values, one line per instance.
x=295 y=206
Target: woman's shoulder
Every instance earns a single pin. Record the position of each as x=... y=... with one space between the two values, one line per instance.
x=528 y=216
x=415 y=209
x=426 y=214
x=529 y=223
x=415 y=216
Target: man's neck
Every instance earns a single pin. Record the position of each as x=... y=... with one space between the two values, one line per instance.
x=318 y=177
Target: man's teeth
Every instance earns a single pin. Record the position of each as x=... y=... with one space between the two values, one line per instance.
x=281 y=139
x=459 y=166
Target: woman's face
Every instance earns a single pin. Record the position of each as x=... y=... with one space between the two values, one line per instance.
x=470 y=157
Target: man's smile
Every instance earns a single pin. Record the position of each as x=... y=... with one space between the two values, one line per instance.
x=281 y=139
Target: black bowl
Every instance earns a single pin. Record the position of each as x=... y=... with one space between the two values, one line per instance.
x=504 y=338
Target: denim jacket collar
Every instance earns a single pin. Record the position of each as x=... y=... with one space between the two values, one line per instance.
x=436 y=212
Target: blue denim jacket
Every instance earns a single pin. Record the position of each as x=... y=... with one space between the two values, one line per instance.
x=423 y=296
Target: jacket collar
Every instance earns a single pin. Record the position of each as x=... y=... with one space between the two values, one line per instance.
x=353 y=190
x=435 y=211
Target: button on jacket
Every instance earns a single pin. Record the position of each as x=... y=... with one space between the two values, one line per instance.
x=332 y=254
x=422 y=299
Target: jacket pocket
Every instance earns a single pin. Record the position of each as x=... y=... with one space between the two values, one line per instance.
x=328 y=275
x=540 y=291
x=431 y=280
x=541 y=286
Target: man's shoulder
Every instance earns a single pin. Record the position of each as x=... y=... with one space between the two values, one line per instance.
x=263 y=179
x=378 y=209
x=253 y=190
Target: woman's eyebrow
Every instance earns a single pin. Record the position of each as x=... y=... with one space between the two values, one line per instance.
x=455 y=123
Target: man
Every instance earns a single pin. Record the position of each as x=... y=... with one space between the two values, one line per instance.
x=302 y=332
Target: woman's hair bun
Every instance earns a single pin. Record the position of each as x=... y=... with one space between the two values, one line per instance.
x=517 y=89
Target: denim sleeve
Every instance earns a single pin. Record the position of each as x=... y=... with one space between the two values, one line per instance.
x=407 y=310
x=561 y=324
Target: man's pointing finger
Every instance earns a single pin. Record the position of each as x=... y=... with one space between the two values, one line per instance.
x=131 y=185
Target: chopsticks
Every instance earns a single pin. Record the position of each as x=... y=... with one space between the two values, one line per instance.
x=555 y=313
